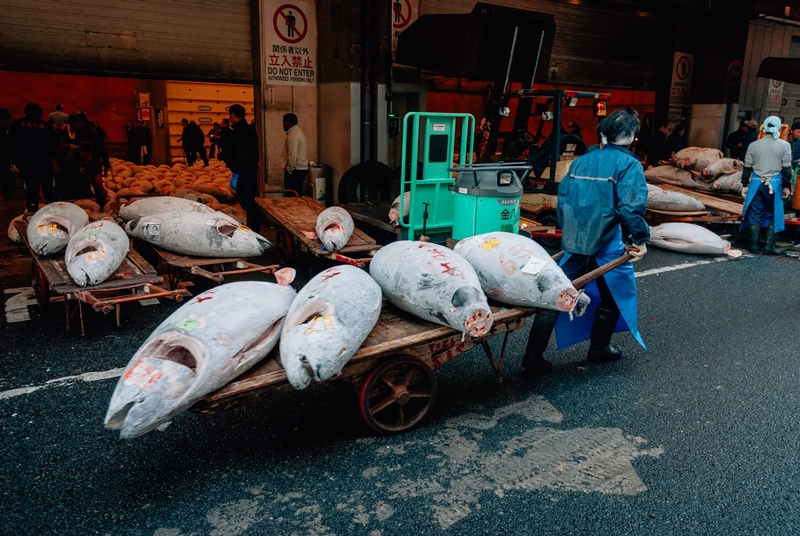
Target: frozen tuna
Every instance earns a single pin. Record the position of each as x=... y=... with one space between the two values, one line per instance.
x=199 y=348
x=676 y=177
x=13 y=234
x=52 y=225
x=149 y=206
x=433 y=283
x=394 y=211
x=697 y=158
x=660 y=199
x=201 y=234
x=691 y=238
x=327 y=323
x=95 y=252
x=334 y=228
x=723 y=165
x=516 y=270
x=730 y=183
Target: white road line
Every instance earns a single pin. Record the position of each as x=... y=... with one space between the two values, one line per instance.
x=17 y=304
x=66 y=380
x=115 y=373
x=664 y=269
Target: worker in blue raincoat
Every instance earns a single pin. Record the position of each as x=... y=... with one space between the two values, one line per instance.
x=604 y=188
x=769 y=162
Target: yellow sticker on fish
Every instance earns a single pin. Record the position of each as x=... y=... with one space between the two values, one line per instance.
x=320 y=323
x=48 y=229
x=96 y=255
x=244 y=228
x=490 y=244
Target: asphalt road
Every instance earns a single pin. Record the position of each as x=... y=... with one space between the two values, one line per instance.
x=696 y=435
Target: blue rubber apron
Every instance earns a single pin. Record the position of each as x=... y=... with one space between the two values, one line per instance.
x=777 y=187
x=622 y=284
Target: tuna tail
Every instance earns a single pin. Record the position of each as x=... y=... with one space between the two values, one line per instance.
x=285 y=276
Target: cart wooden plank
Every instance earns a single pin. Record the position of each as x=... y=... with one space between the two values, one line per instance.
x=395 y=332
x=299 y=214
x=710 y=201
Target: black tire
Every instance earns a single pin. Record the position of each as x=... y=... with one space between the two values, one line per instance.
x=367 y=181
x=549 y=219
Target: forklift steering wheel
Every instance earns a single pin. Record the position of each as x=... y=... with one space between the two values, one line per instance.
x=525 y=139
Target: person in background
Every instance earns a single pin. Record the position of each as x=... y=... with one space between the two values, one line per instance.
x=58 y=117
x=213 y=137
x=186 y=145
x=749 y=137
x=655 y=144
x=130 y=134
x=735 y=141
x=33 y=143
x=84 y=130
x=195 y=139
x=225 y=135
x=604 y=189
x=79 y=173
x=294 y=159
x=768 y=161
x=794 y=141
x=8 y=181
x=672 y=143
x=142 y=143
x=242 y=159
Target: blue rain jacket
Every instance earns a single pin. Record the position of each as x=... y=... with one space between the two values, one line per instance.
x=603 y=188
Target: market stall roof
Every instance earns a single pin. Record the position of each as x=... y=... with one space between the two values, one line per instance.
x=478 y=45
x=785 y=69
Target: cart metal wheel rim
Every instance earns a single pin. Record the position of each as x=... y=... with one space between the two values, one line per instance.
x=41 y=289
x=284 y=246
x=397 y=395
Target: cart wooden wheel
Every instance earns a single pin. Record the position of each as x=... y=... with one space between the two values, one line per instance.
x=397 y=394
x=284 y=246
x=41 y=289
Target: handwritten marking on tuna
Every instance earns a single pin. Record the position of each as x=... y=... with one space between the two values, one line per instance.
x=17 y=304
x=451 y=270
x=330 y=276
x=507 y=265
x=142 y=375
x=201 y=299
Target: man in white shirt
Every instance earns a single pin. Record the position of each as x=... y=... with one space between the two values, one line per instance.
x=294 y=158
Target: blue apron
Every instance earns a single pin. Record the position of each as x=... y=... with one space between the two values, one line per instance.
x=777 y=187
x=621 y=283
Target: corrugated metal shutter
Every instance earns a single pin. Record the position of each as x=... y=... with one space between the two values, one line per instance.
x=593 y=47
x=204 y=104
x=791 y=92
x=764 y=39
x=176 y=39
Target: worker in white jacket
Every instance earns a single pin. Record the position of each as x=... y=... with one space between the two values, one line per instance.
x=294 y=158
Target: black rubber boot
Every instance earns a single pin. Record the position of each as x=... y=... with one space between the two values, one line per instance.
x=755 y=231
x=601 y=350
x=769 y=247
x=533 y=361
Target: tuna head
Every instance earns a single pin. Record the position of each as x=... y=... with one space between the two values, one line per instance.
x=334 y=228
x=199 y=348
x=469 y=309
x=51 y=226
x=327 y=323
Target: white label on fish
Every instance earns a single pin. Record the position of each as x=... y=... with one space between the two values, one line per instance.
x=534 y=266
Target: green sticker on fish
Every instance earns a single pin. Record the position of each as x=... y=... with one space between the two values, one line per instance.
x=187 y=324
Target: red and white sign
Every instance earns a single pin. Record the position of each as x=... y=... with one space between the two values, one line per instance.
x=403 y=13
x=681 y=89
x=290 y=38
x=774 y=97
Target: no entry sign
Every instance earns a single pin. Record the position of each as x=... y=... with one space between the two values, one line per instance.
x=290 y=42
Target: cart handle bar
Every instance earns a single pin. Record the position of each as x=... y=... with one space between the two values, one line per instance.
x=597 y=272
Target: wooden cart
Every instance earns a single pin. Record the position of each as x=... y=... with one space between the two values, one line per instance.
x=214 y=269
x=393 y=369
x=134 y=280
x=296 y=218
